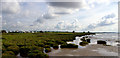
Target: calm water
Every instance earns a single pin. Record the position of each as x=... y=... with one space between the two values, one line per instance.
x=110 y=38
x=107 y=36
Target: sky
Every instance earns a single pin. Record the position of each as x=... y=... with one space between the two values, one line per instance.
x=82 y=15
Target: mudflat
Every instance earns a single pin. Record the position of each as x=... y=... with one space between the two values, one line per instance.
x=89 y=50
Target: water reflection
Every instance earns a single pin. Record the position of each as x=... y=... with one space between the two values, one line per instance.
x=92 y=49
x=59 y=46
x=110 y=38
x=44 y=51
x=77 y=41
x=93 y=39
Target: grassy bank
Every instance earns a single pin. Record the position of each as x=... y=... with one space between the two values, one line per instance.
x=32 y=44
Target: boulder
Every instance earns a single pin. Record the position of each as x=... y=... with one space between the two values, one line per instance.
x=88 y=40
x=69 y=46
x=101 y=42
x=83 y=39
x=84 y=43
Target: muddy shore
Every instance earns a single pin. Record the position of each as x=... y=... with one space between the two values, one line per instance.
x=89 y=50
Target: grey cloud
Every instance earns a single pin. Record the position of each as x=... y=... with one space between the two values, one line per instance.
x=61 y=13
x=90 y=27
x=109 y=16
x=104 y=23
x=45 y=17
x=66 y=4
x=40 y=20
x=100 y=24
x=67 y=7
x=48 y=16
x=59 y=25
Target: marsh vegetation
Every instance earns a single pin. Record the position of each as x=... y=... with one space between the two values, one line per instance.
x=32 y=44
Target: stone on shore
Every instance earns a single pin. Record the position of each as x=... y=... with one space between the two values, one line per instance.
x=101 y=42
x=88 y=40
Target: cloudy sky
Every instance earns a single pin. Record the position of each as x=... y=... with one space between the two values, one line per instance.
x=82 y=15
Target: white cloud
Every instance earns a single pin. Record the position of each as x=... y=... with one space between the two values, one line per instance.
x=106 y=20
x=62 y=25
x=60 y=16
x=109 y=16
x=9 y=0
x=105 y=2
x=10 y=7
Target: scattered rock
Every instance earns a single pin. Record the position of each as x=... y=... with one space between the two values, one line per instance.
x=117 y=41
x=101 y=42
x=88 y=40
x=83 y=43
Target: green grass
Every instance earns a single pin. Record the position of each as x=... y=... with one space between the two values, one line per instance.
x=37 y=40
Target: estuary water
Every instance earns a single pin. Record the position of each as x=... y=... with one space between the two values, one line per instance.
x=110 y=38
x=92 y=49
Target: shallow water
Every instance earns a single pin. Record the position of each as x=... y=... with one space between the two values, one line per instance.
x=107 y=36
x=76 y=42
x=110 y=38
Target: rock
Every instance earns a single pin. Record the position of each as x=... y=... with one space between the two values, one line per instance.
x=101 y=42
x=83 y=43
x=117 y=41
x=118 y=45
x=88 y=40
x=69 y=46
x=83 y=39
